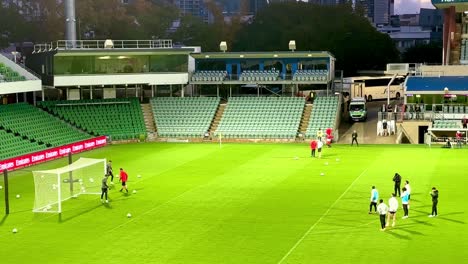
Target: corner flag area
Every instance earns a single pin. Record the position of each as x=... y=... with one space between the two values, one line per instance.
x=246 y=203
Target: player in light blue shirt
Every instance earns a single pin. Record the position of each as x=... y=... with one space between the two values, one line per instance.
x=404 y=201
x=373 y=199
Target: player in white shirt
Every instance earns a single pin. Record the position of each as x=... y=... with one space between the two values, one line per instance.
x=319 y=148
x=393 y=207
x=382 y=209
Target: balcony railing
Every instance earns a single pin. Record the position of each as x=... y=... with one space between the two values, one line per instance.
x=103 y=44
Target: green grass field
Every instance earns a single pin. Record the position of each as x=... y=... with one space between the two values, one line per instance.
x=248 y=203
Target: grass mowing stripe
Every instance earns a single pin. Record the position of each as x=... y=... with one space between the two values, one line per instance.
x=320 y=219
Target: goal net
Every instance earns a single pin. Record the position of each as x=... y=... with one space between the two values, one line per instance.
x=52 y=187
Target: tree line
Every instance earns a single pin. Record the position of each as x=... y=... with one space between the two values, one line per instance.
x=344 y=32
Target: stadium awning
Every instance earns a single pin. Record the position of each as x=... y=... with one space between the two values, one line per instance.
x=437 y=85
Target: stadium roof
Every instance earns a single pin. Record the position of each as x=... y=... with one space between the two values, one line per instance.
x=436 y=85
x=263 y=55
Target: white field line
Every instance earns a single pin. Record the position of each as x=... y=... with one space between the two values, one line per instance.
x=320 y=219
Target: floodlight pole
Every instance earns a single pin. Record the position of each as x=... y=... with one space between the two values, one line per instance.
x=5 y=181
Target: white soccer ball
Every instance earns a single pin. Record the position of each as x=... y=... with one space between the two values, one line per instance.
x=139 y=176
x=1 y=187
x=14 y=230
x=134 y=191
x=326 y=163
x=322 y=174
x=91 y=179
x=129 y=215
x=18 y=196
x=337 y=159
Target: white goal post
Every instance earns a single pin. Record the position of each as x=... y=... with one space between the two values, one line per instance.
x=52 y=187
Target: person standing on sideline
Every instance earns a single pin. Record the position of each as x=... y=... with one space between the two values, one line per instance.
x=458 y=136
x=404 y=202
x=392 y=209
x=123 y=179
x=319 y=134
x=435 y=199
x=104 y=189
x=109 y=171
x=319 y=148
x=464 y=122
x=382 y=209
x=373 y=199
x=397 y=180
x=313 y=147
x=408 y=190
x=354 y=136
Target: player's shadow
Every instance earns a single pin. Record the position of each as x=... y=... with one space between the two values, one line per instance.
x=397 y=235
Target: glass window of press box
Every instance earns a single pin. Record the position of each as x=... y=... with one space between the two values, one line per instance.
x=75 y=65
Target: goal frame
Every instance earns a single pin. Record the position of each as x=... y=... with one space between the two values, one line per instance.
x=58 y=173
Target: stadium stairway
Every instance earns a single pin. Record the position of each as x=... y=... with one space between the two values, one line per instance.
x=305 y=119
x=148 y=117
x=217 y=118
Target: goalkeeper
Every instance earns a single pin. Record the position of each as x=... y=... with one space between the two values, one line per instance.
x=109 y=171
x=104 y=188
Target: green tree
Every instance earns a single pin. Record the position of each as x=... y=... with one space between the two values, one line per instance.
x=337 y=29
x=424 y=53
x=13 y=26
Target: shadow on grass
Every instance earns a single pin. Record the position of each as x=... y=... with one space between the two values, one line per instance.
x=69 y=215
x=397 y=235
x=4 y=218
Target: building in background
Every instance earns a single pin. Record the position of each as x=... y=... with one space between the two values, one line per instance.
x=409 y=30
x=377 y=11
x=195 y=8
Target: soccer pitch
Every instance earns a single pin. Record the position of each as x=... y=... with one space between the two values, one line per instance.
x=247 y=203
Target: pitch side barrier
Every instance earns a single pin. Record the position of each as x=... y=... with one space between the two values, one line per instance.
x=52 y=154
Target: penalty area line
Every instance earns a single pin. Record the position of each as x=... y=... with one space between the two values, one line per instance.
x=320 y=219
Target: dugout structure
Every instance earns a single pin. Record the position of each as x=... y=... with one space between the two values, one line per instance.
x=52 y=187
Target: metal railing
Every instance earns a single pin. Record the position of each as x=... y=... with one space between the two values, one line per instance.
x=104 y=44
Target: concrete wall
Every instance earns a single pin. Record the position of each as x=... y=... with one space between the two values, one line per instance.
x=412 y=129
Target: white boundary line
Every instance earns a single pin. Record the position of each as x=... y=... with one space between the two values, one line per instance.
x=320 y=219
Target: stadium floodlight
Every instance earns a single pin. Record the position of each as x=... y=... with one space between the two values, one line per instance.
x=223 y=46
x=292 y=45
x=108 y=44
x=52 y=187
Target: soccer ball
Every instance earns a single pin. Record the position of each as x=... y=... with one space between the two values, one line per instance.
x=326 y=163
x=139 y=176
x=134 y=191
x=1 y=187
x=337 y=159
x=129 y=215
x=18 y=196
x=91 y=179
x=322 y=174
x=14 y=230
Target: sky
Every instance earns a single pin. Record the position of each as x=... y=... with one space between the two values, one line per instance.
x=411 y=6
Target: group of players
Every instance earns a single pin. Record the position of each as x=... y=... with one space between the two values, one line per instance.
x=388 y=212
x=123 y=177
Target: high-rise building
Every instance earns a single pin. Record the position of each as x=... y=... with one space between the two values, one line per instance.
x=378 y=11
x=194 y=8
